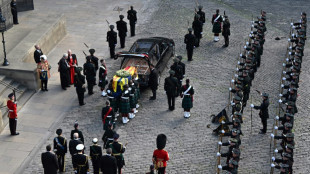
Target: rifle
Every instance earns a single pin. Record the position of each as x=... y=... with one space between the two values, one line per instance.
x=108 y=23
x=258 y=91
x=84 y=53
x=86 y=45
x=14 y=97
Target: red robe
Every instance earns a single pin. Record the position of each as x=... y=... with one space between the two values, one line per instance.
x=12 y=109
x=161 y=158
x=71 y=63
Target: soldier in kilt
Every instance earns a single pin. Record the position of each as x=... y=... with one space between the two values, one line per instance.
x=124 y=108
x=114 y=101
x=132 y=99
x=187 y=95
x=216 y=22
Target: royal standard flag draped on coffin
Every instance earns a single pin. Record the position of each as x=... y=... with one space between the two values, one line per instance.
x=122 y=78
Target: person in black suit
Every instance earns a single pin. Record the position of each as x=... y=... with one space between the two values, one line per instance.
x=76 y=130
x=49 y=161
x=14 y=11
x=95 y=155
x=108 y=163
x=73 y=143
x=37 y=54
x=153 y=81
x=122 y=30
x=60 y=148
x=171 y=87
x=112 y=39
x=132 y=17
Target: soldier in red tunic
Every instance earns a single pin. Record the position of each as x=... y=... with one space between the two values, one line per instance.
x=160 y=156
x=11 y=104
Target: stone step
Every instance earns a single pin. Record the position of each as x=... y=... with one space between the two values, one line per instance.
x=4 y=83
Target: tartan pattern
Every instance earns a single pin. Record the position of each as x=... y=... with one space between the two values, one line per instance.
x=216 y=28
x=114 y=104
x=132 y=102
x=187 y=102
x=138 y=93
x=124 y=107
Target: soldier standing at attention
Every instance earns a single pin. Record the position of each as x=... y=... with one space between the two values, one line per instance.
x=226 y=30
x=12 y=107
x=112 y=39
x=49 y=161
x=171 y=87
x=94 y=59
x=160 y=156
x=95 y=155
x=216 y=22
x=202 y=16
x=76 y=130
x=117 y=151
x=108 y=115
x=189 y=40
x=60 y=148
x=187 y=95
x=80 y=161
x=263 y=113
x=153 y=81
x=122 y=30
x=79 y=84
x=132 y=17
x=197 y=27
x=90 y=73
x=103 y=71
x=124 y=108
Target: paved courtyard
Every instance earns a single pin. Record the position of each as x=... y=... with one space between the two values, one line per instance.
x=191 y=145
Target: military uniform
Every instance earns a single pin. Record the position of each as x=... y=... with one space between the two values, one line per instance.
x=93 y=59
x=226 y=30
x=80 y=163
x=178 y=69
x=60 y=149
x=122 y=30
x=79 y=83
x=263 y=113
x=132 y=17
x=190 y=41
x=112 y=39
x=202 y=16
x=90 y=72
x=187 y=102
x=114 y=101
x=102 y=78
x=153 y=82
x=197 y=27
x=216 y=22
x=107 y=137
x=108 y=116
x=124 y=108
x=12 y=114
x=117 y=151
x=13 y=5
x=95 y=155
x=171 y=87
x=160 y=156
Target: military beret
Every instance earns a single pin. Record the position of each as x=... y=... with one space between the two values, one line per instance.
x=92 y=51
x=200 y=6
x=235 y=151
x=233 y=162
x=80 y=147
x=290 y=146
x=79 y=68
x=176 y=59
x=95 y=140
x=11 y=95
x=238 y=113
x=237 y=98
x=171 y=72
x=111 y=26
x=76 y=124
x=116 y=136
x=304 y=13
x=287 y=155
x=190 y=29
x=265 y=95
x=121 y=16
x=289 y=114
x=233 y=140
x=289 y=125
x=179 y=57
x=289 y=135
x=59 y=131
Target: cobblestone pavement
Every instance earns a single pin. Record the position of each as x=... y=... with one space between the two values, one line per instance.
x=190 y=144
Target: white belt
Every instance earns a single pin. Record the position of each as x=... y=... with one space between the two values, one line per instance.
x=109 y=116
x=110 y=139
x=11 y=111
x=125 y=97
x=186 y=94
x=132 y=94
x=110 y=97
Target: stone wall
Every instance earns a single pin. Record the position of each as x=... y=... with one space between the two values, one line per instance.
x=25 y=5
x=6 y=12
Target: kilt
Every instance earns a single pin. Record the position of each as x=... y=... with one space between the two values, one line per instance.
x=187 y=102
x=132 y=102
x=114 y=104
x=136 y=97
x=216 y=27
x=107 y=122
x=138 y=93
x=124 y=107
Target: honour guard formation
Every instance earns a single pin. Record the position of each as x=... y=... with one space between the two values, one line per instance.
x=153 y=92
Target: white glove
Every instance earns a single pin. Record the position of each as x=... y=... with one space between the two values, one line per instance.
x=283 y=78
x=229 y=88
x=272 y=165
x=247 y=43
x=273 y=158
x=272 y=135
x=280 y=101
x=276 y=127
x=289 y=40
x=277 y=117
x=240 y=55
x=218 y=154
x=201 y=33
x=287 y=59
x=284 y=64
x=292 y=24
x=219 y=166
x=250 y=35
x=220 y=143
x=252 y=106
x=280 y=95
x=282 y=86
x=87 y=173
x=238 y=62
x=233 y=104
x=223 y=122
x=237 y=69
x=244 y=47
x=236 y=75
x=75 y=171
x=276 y=151
x=290 y=53
x=232 y=80
x=222 y=131
x=284 y=72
